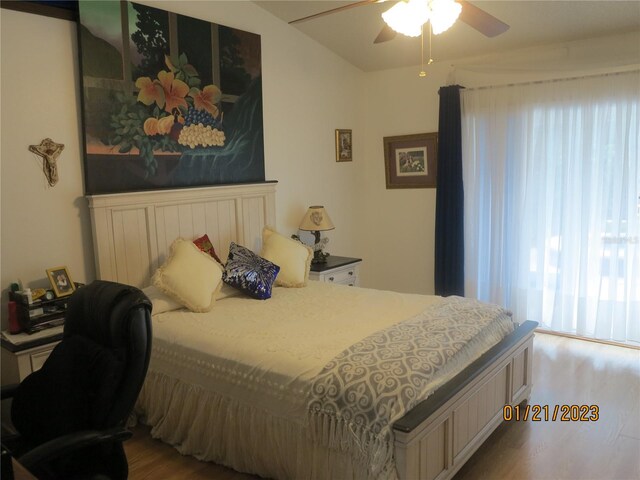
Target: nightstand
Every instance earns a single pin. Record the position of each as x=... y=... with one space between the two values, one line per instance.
x=341 y=270
x=22 y=355
x=27 y=355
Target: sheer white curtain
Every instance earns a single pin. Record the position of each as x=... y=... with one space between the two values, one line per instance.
x=552 y=202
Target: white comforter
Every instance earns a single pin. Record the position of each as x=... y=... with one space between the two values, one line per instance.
x=234 y=385
x=266 y=353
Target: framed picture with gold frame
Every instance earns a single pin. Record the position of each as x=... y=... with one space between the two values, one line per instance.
x=411 y=161
x=344 y=143
x=61 y=281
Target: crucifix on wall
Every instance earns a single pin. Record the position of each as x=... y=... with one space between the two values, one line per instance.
x=49 y=151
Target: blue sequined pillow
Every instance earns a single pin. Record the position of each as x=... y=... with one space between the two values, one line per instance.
x=249 y=272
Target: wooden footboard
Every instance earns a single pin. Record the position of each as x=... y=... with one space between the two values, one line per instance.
x=439 y=435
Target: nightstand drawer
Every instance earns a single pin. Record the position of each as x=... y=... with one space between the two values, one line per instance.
x=38 y=359
x=340 y=270
x=342 y=276
x=18 y=364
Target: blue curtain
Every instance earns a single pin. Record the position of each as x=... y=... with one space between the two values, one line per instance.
x=449 y=245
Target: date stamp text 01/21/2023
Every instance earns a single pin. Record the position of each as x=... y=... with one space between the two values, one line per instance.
x=546 y=413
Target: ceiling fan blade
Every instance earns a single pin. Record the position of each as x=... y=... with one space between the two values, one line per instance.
x=335 y=10
x=387 y=33
x=480 y=20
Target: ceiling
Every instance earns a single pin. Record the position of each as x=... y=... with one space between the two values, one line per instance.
x=350 y=33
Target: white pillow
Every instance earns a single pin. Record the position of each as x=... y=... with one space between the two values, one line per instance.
x=189 y=276
x=161 y=302
x=293 y=258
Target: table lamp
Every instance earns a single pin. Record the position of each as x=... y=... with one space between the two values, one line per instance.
x=317 y=220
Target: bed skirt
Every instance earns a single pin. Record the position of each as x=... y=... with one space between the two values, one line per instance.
x=211 y=427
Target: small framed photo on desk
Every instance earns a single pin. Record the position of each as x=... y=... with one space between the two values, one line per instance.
x=61 y=281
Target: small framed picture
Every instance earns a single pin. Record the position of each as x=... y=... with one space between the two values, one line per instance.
x=344 y=143
x=411 y=160
x=61 y=281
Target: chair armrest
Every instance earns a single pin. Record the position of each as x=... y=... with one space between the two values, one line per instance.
x=8 y=391
x=69 y=443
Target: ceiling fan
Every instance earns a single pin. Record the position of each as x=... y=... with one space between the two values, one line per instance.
x=473 y=16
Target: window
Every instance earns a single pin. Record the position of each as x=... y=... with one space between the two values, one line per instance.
x=552 y=185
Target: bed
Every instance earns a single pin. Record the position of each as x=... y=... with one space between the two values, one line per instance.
x=205 y=397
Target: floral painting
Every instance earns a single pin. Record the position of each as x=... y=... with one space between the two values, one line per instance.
x=168 y=100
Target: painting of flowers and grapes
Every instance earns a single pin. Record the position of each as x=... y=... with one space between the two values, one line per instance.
x=168 y=100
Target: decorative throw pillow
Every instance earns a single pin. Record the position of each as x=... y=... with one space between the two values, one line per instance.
x=189 y=276
x=204 y=244
x=250 y=273
x=160 y=301
x=293 y=257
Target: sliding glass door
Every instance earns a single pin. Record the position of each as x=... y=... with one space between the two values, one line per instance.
x=552 y=202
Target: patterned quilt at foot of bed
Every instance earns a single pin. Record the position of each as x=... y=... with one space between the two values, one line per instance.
x=358 y=395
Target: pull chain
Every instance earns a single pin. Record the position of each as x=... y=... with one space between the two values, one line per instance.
x=430 y=56
x=422 y=72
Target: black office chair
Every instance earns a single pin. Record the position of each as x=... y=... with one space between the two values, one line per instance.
x=71 y=414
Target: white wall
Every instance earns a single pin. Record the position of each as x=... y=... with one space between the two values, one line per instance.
x=42 y=226
x=307 y=92
x=397 y=236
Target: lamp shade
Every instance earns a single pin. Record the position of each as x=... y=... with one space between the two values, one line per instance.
x=316 y=219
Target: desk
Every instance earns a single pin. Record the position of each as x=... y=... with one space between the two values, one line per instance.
x=28 y=354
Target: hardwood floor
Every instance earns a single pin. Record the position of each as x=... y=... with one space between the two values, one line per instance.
x=572 y=372
x=566 y=372
x=153 y=459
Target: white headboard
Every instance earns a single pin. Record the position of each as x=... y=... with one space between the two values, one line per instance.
x=132 y=232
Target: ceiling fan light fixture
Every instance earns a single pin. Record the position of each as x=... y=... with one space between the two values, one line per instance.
x=407 y=17
x=444 y=14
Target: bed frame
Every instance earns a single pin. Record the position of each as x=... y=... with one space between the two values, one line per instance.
x=132 y=233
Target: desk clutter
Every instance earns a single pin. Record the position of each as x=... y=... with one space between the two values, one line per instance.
x=33 y=311
x=22 y=341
